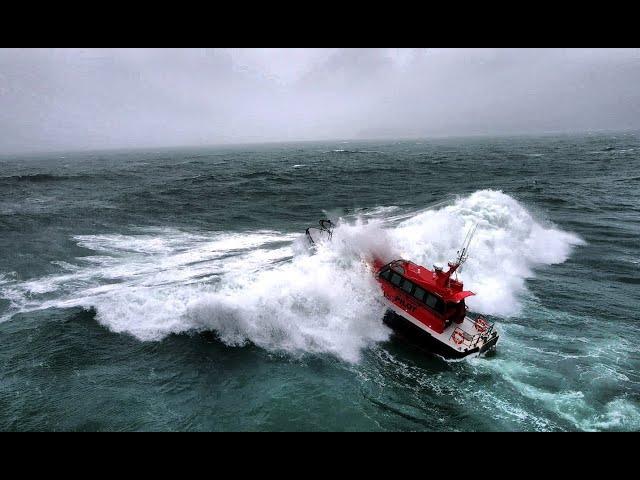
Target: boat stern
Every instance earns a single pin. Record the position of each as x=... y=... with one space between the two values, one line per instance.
x=474 y=336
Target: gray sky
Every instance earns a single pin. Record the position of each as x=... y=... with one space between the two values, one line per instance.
x=59 y=99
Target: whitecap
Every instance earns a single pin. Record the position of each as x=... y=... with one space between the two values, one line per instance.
x=262 y=287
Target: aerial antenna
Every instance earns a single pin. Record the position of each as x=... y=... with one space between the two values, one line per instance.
x=463 y=253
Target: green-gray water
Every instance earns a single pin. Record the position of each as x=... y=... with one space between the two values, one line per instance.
x=171 y=290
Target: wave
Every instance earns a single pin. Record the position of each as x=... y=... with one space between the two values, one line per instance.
x=49 y=177
x=345 y=151
x=259 y=174
x=509 y=243
x=276 y=177
x=613 y=150
x=35 y=178
x=264 y=287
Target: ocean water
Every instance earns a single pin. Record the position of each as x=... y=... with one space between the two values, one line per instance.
x=172 y=290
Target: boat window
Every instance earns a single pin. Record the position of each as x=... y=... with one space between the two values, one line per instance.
x=396 y=279
x=434 y=302
x=399 y=269
x=386 y=273
x=431 y=300
x=407 y=286
x=419 y=293
x=439 y=305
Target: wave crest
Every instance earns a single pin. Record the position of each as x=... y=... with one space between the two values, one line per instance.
x=263 y=287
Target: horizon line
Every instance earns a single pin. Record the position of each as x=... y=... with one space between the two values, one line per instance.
x=543 y=133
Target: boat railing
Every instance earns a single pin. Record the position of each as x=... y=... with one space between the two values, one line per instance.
x=463 y=338
x=326 y=227
x=483 y=326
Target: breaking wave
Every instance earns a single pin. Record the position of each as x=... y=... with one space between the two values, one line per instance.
x=508 y=244
x=264 y=287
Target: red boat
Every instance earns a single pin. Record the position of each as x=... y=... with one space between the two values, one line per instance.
x=428 y=306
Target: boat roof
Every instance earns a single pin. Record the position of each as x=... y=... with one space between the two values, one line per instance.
x=450 y=291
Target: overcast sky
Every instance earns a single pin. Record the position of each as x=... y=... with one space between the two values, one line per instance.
x=74 y=99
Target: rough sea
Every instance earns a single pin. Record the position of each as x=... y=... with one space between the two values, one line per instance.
x=171 y=289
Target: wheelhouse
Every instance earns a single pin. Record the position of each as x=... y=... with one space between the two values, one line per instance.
x=431 y=297
x=394 y=276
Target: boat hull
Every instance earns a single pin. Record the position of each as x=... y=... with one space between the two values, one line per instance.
x=425 y=341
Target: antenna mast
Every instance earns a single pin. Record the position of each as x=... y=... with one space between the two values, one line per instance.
x=463 y=253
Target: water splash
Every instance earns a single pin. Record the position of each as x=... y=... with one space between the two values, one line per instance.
x=265 y=288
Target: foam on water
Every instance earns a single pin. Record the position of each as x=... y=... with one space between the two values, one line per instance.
x=264 y=287
x=508 y=244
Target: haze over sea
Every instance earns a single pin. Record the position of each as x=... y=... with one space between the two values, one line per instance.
x=171 y=289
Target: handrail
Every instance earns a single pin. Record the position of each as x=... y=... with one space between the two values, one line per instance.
x=458 y=332
x=471 y=340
